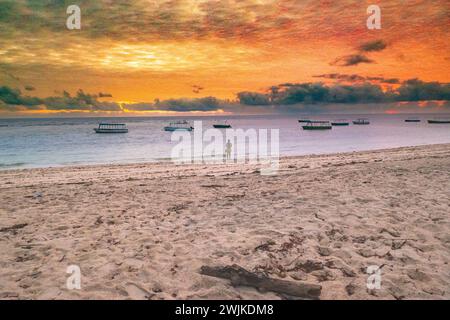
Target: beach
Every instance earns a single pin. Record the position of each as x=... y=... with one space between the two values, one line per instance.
x=143 y=231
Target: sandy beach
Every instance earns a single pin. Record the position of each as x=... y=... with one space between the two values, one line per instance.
x=143 y=231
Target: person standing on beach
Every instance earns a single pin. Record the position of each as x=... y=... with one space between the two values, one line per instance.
x=228 y=149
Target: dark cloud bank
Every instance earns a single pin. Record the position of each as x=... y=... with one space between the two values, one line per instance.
x=281 y=98
x=14 y=100
x=180 y=105
x=312 y=93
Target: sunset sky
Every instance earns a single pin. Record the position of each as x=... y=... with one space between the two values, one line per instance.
x=140 y=50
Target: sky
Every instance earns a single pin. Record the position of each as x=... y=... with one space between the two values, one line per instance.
x=135 y=52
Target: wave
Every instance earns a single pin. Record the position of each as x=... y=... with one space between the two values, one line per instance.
x=9 y=165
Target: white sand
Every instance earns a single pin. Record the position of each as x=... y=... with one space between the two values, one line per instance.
x=143 y=231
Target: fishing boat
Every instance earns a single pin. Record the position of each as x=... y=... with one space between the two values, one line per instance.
x=111 y=128
x=304 y=120
x=340 y=122
x=361 y=121
x=412 y=120
x=179 y=126
x=317 y=125
x=439 y=121
x=222 y=125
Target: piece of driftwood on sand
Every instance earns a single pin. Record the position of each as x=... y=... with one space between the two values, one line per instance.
x=240 y=276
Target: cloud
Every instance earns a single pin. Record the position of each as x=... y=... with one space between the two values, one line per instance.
x=356 y=78
x=143 y=20
x=279 y=98
x=81 y=101
x=200 y=104
x=417 y=90
x=253 y=98
x=196 y=88
x=391 y=80
x=313 y=93
x=351 y=60
x=376 y=45
x=13 y=99
x=355 y=94
x=355 y=59
x=341 y=77
x=180 y=105
x=206 y=41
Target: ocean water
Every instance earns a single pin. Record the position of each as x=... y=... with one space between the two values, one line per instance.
x=26 y=143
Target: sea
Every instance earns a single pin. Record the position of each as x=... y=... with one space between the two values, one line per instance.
x=53 y=142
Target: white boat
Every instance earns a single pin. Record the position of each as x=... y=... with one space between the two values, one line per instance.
x=317 y=125
x=340 y=122
x=439 y=120
x=111 y=128
x=179 y=126
x=222 y=125
x=361 y=121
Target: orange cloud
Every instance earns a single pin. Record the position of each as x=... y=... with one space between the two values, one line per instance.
x=140 y=50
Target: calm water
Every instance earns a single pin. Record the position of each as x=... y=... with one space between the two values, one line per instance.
x=56 y=142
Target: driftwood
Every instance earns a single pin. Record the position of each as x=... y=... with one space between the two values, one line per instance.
x=240 y=276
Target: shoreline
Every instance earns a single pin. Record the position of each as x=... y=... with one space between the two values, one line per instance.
x=142 y=231
x=168 y=161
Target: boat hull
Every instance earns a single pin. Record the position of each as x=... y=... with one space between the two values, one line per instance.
x=221 y=126
x=360 y=123
x=110 y=130
x=340 y=124
x=412 y=120
x=177 y=129
x=438 y=121
x=316 y=128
